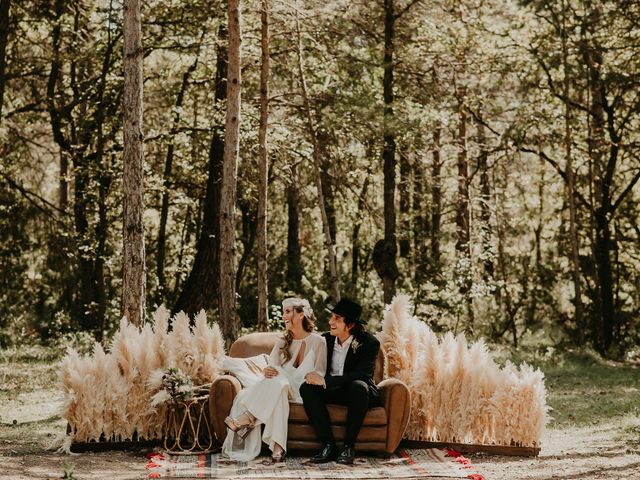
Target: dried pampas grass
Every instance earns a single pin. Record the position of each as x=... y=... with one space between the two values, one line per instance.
x=458 y=393
x=113 y=395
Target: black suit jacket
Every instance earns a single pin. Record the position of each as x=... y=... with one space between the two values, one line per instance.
x=359 y=364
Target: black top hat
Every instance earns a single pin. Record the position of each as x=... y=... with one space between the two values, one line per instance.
x=346 y=308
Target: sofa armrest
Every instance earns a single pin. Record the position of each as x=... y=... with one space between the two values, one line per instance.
x=221 y=395
x=396 y=400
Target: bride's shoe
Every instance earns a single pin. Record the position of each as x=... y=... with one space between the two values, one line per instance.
x=241 y=430
x=278 y=454
x=241 y=427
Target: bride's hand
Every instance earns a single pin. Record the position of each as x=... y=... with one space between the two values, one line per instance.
x=270 y=372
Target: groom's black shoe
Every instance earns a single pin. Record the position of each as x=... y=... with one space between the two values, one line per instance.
x=327 y=454
x=347 y=455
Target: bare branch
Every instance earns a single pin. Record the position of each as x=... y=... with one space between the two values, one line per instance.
x=406 y=9
x=558 y=169
x=44 y=206
x=540 y=153
x=552 y=86
x=626 y=192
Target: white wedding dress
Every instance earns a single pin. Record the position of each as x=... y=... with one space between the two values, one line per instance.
x=268 y=400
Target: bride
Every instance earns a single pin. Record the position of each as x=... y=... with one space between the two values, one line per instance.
x=298 y=352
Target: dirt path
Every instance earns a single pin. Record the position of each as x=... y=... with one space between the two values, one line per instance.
x=570 y=453
x=594 y=452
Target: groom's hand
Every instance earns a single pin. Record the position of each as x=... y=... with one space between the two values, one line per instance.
x=270 y=372
x=313 y=378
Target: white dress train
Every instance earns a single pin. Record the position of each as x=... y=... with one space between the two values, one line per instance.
x=268 y=400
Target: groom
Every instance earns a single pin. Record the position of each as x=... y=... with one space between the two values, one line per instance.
x=351 y=359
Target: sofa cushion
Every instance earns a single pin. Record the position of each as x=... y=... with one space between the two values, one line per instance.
x=254 y=344
x=376 y=416
x=306 y=433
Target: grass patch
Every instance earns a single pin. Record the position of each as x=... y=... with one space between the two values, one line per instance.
x=583 y=390
x=26 y=370
x=28 y=378
x=32 y=437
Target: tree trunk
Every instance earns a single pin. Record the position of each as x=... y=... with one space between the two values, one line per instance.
x=463 y=215
x=335 y=288
x=185 y=239
x=4 y=36
x=54 y=77
x=603 y=213
x=573 y=233
x=166 y=185
x=462 y=198
x=63 y=183
x=617 y=274
x=75 y=139
x=200 y=290
x=323 y=138
x=404 y=188
x=537 y=282
x=101 y=252
x=355 y=236
x=327 y=183
x=485 y=200
x=84 y=307
x=54 y=113
x=605 y=277
x=133 y=269
x=263 y=289
x=249 y=220
x=104 y=183
x=229 y=180
x=504 y=298
x=436 y=197
x=385 y=251
x=294 y=264
x=420 y=214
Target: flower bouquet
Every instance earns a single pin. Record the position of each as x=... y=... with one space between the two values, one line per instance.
x=174 y=386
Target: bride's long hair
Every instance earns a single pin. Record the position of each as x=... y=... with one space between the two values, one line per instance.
x=308 y=324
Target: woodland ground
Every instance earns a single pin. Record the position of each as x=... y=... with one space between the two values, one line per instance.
x=594 y=433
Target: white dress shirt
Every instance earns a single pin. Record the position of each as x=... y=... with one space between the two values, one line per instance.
x=339 y=356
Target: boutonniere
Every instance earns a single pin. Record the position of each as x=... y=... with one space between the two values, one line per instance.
x=355 y=345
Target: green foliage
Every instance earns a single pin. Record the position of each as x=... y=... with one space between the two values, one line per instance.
x=60 y=264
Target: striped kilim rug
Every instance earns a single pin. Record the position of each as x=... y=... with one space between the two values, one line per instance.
x=427 y=463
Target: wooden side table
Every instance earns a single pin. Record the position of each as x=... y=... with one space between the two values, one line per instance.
x=188 y=427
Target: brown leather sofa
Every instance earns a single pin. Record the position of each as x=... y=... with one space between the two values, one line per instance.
x=383 y=427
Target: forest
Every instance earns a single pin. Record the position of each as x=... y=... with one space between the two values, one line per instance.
x=482 y=156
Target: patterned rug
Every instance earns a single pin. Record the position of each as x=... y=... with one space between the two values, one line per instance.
x=427 y=463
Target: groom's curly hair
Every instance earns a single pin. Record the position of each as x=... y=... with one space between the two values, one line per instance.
x=309 y=325
x=357 y=329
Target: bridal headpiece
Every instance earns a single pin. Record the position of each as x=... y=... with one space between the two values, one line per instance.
x=300 y=303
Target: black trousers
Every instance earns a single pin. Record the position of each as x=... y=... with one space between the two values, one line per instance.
x=357 y=396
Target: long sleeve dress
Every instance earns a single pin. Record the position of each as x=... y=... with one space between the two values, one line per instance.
x=268 y=400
